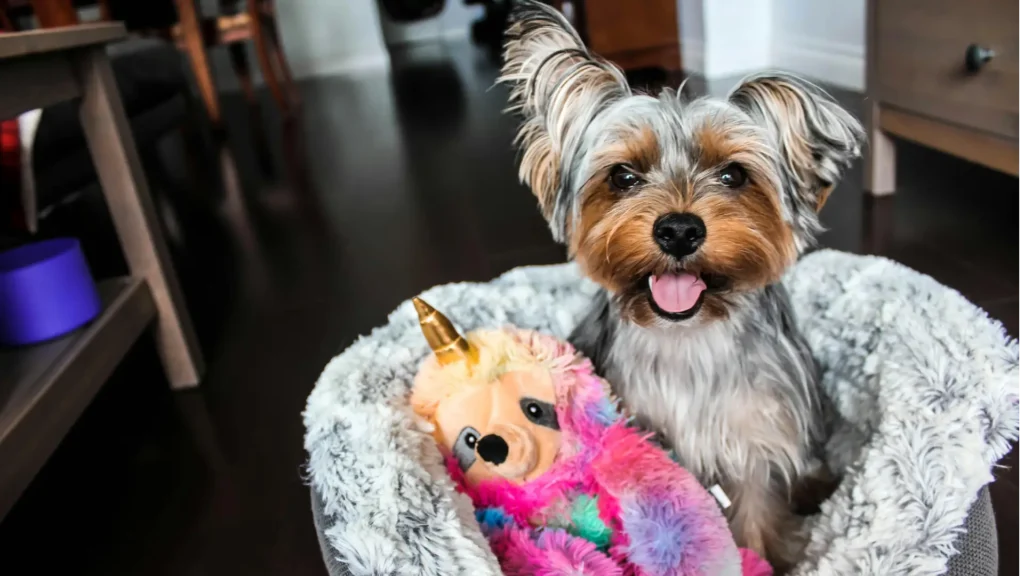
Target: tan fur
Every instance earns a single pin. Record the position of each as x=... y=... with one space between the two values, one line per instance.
x=761 y=520
x=550 y=72
x=790 y=112
x=694 y=379
x=748 y=240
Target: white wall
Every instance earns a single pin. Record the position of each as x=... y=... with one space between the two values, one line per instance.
x=737 y=36
x=690 y=14
x=821 y=39
x=723 y=38
x=331 y=36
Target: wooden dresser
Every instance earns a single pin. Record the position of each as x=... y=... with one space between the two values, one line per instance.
x=942 y=73
x=633 y=33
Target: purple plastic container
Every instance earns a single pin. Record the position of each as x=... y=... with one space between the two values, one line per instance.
x=46 y=291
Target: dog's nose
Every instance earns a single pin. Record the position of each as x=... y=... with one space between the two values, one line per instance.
x=492 y=448
x=679 y=234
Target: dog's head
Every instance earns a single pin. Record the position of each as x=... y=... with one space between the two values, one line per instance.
x=673 y=206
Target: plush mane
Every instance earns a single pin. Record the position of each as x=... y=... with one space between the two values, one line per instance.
x=501 y=351
x=612 y=502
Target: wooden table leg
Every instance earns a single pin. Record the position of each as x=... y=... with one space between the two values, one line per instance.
x=195 y=47
x=55 y=13
x=265 y=43
x=112 y=146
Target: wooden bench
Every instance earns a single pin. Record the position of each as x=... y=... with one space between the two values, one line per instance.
x=44 y=388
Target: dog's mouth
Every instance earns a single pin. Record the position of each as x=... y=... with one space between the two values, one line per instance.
x=679 y=296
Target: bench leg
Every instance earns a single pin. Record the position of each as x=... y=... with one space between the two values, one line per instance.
x=112 y=147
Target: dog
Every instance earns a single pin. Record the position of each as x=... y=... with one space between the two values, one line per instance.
x=687 y=214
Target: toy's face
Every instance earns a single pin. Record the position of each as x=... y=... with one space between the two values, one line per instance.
x=506 y=429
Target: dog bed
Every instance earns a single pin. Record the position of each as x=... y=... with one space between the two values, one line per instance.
x=926 y=384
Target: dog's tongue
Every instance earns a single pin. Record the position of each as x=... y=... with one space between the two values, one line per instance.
x=676 y=293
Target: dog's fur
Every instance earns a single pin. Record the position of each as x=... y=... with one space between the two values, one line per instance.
x=732 y=389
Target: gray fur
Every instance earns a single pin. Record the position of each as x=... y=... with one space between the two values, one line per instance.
x=572 y=101
x=815 y=145
x=928 y=383
x=737 y=397
x=721 y=394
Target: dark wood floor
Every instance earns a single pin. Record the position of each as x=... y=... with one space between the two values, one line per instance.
x=305 y=234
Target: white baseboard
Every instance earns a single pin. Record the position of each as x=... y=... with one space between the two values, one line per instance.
x=429 y=32
x=347 y=66
x=837 y=64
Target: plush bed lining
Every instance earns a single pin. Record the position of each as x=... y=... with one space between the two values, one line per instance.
x=926 y=383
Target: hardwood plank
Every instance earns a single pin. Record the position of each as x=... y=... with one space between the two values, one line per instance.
x=44 y=388
x=112 y=146
x=57 y=39
x=42 y=80
x=978 y=147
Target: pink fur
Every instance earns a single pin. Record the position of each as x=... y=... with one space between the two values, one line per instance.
x=662 y=520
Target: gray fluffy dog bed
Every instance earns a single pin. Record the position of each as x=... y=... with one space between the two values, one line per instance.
x=926 y=382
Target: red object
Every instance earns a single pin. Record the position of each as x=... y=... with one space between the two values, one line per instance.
x=10 y=150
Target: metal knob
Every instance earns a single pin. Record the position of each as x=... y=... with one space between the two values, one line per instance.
x=976 y=57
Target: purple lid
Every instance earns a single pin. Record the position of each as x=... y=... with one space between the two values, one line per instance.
x=45 y=291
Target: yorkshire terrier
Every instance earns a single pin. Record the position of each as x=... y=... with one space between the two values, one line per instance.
x=687 y=213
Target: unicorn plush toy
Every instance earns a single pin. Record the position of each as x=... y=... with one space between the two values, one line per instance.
x=562 y=484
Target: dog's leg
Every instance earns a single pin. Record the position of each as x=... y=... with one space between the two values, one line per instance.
x=813 y=489
x=761 y=520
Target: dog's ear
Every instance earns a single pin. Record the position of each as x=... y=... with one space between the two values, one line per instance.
x=559 y=87
x=816 y=138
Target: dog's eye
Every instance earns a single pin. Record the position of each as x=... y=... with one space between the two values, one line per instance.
x=622 y=178
x=733 y=176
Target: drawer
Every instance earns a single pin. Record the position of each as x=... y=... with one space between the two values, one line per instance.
x=920 y=61
x=615 y=26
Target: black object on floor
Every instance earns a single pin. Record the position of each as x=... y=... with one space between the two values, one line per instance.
x=412 y=10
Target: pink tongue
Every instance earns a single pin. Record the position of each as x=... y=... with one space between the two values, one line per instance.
x=676 y=293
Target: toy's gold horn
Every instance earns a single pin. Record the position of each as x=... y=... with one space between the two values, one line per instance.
x=448 y=345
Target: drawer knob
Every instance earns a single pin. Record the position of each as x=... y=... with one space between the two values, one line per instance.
x=977 y=56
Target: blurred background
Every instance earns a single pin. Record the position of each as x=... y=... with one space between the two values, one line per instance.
x=313 y=163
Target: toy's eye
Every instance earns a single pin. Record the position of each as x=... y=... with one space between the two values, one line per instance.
x=623 y=178
x=539 y=412
x=464 y=449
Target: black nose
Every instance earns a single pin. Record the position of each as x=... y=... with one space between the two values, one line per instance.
x=679 y=234
x=492 y=448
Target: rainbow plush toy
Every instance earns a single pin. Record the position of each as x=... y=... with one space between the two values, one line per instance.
x=560 y=481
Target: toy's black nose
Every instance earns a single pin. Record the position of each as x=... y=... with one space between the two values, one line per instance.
x=492 y=448
x=679 y=234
